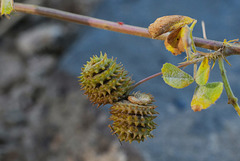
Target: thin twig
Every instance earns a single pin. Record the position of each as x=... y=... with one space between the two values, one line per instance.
x=114 y=26
x=204 y=30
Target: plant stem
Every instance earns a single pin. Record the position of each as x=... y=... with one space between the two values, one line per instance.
x=114 y=26
x=231 y=98
x=83 y=20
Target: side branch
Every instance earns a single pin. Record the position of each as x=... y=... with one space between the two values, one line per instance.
x=184 y=64
x=231 y=98
x=114 y=26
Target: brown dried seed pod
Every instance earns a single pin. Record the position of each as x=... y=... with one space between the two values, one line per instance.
x=168 y=23
x=132 y=121
x=104 y=81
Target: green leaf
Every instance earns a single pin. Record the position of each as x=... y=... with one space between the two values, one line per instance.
x=175 y=77
x=6 y=7
x=203 y=72
x=206 y=95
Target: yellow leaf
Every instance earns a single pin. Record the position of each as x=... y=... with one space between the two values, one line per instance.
x=191 y=29
x=6 y=7
x=167 y=24
x=203 y=72
x=206 y=95
x=186 y=39
x=179 y=41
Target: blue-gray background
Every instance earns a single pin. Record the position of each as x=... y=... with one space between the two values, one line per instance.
x=211 y=134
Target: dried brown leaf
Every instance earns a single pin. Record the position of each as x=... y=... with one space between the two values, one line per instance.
x=168 y=23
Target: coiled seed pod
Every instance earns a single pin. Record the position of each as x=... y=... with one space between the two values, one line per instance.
x=141 y=98
x=104 y=81
x=133 y=121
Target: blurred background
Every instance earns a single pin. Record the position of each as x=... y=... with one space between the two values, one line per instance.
x=45 y=117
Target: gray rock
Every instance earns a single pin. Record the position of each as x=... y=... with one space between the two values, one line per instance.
x=39 y=67
x=38 y=38
x=11 y=69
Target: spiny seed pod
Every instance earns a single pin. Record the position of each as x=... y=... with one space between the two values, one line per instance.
x=104 y=81
x=133 y=121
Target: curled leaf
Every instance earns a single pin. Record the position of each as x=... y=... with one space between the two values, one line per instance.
x=175 y=77
x=206 y=95
x=168 y=23
x=173 y=42
x=179 y=41
x=203 y=72
x=6 y=7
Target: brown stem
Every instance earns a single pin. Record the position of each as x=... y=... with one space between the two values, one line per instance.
x=114 y=26
x=83 y=20
x=146 y=79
